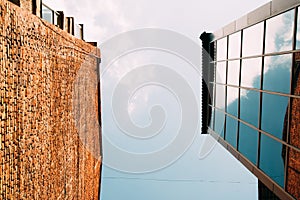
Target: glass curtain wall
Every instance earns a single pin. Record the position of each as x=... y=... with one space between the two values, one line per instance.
x=256 y=106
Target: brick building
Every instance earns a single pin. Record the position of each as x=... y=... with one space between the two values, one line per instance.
x=50 y=137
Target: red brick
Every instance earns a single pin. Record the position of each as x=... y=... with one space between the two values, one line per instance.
x=42 y=152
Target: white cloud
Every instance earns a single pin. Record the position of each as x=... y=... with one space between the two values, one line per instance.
x=280 y=28
x=104 y=19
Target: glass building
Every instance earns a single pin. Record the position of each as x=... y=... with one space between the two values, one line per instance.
x=251 y=94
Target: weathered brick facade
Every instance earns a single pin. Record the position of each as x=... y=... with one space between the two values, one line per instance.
x=293 y=175
x=49 y=132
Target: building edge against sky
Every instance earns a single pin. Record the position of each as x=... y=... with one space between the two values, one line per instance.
x=251 y=94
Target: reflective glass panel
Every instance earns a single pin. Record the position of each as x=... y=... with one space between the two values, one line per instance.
x=298 y=30
x=274 y=110
x=219 y=122
x=271 y=159
x=251 y=72
x=233 y=72
x=249 y=105
x=47 y=14
x=212 y=93
x=277 y=73
x=248 y=139
x=232 y=100
x=234 y=46
x=220 y=97
x=222 y=49
x=279 y=32
x=211 y=125
x=231 y=131
x=221 y=72
x=253 y=40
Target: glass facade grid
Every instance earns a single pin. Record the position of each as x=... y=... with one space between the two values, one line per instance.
x=220 y=96
x=222 y=49
x=279 y=32
x=221 y=72
x=249 y=106
x=277 y=73
x=274 y=114
x=233 y=72
x=258 y=113
x=234 y=45
x=298 y=30
x=232 y=100
x=248 y=142
x=253 y=40
x=272 y=158
x=231 y=131
x=251 y=72
x=212 y=120
x=219 y=126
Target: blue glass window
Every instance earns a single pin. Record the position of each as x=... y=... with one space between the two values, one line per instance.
x=219 y=122
x=253 y=40
x=232 y=100
x=212 y=119
x=271 y=159
x=274 y=110
x=277 y=73
x=220 y=97
x=251 y=72
x=221 y=72
x=212 y=93
x=249 y=105
x=248 y=139
x=222 y=49
x=233 y=72
x=231 y=131
x=279 y=32
x=234 y=46
x=298 y=30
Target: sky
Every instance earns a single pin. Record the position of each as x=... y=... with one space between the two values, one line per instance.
x=151 y=98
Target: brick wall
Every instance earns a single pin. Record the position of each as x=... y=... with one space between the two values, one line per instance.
x=49 y=132
x=27 y=5
x=293 y=175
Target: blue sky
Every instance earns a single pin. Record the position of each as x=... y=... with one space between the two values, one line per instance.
x=216 y=176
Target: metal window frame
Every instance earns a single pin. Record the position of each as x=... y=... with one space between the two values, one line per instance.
x=262 y=176
x=54 y=13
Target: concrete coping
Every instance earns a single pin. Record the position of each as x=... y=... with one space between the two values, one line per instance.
x=260 y=14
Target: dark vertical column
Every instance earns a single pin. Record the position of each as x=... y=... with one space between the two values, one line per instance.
x=264 y=193
x=37 y=7
x=60 y=19
x=239 y=92
x=207 y=76
x=34 y=7
x=70 y=25
x=81 y=31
